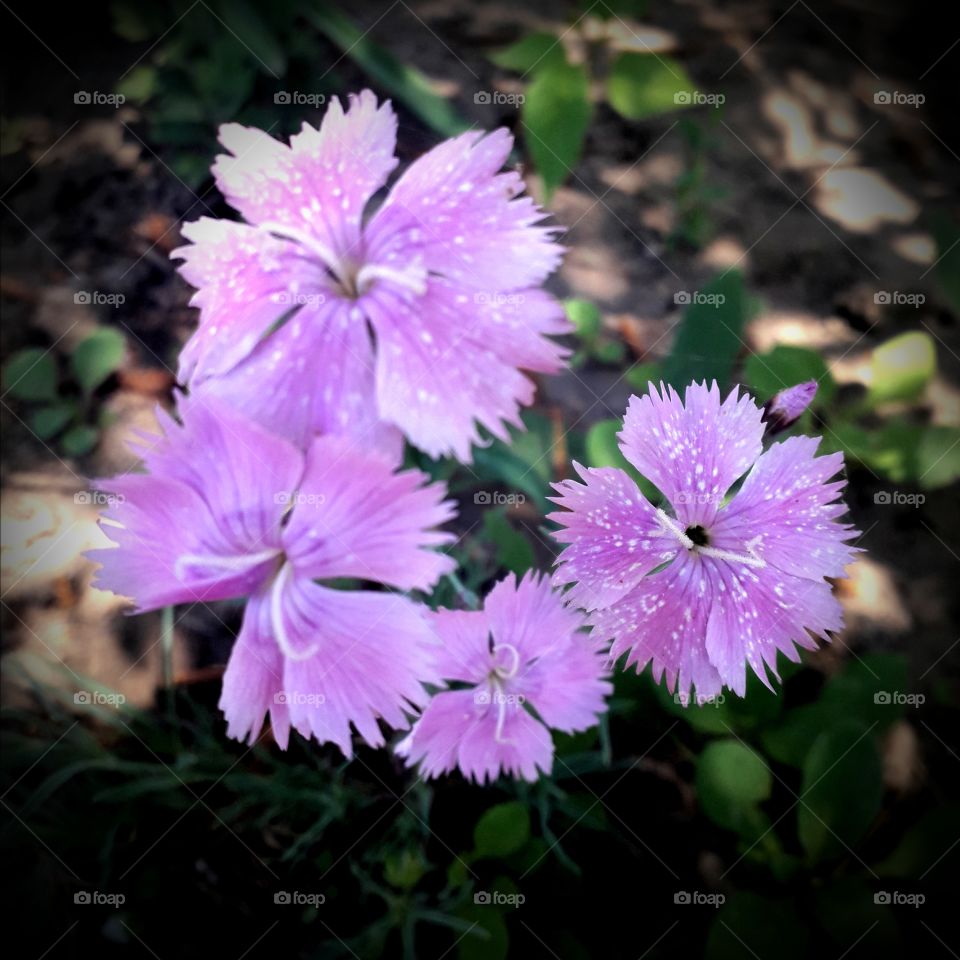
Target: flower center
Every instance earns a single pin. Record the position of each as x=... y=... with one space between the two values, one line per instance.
x=698 y=536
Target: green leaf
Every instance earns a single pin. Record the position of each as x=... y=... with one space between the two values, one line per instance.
x=502 y=830
x=645 y=85
x=902 y=367
x=749 y=926
x=407 y=84
x=841 y=790
x=487 y=938
x=248 y=28
x=585 y=317
x=31 y=375
x=731 y=780
x=139 y=84
x=404 y=869
x=790 y=740
x=513 y=550
x=846 y=909
x=47 y=422
x=785 y=366
x=97 y=357
x=556 y=114
x=78 y=441
x=710 y=333
x=533 y=52
x=869 y=689
x=923 y=845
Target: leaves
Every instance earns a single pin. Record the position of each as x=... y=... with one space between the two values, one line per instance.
x=31 y=375
x=731 y=781
x=841 y=790
x=534 y=51
x=556 y=114
x=502 y=830
x=901 y=368
x=644 y=85
x=97 y=357
x=785 y=366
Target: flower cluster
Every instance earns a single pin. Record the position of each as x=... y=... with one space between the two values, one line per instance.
x=331 y=329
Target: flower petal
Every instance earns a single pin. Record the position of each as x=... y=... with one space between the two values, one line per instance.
x=692 y=450
x=789 y=511
x=373 y=652
x=353 y=516
x=474 y=228
x=613 y=536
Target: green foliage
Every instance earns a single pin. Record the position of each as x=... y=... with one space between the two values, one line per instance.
x=710 y=333
x=902 y=367
x=556 y=114
x=643 y=85
x=502 y=830
x=784 y=366
x=54 y=412
x=732 y=781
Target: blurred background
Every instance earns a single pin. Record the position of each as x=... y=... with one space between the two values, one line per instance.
x=754 y=191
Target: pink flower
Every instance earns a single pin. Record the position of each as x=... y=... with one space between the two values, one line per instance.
x=229 y=510
x=523 y=650
x=705 y=586
x=324 y=314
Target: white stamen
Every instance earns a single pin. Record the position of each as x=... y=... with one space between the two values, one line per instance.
x=669 y=525
x=276 y=619
x=241 y=564
x=505 y=673
x=405 y=278
x=305 y=239
x=752 y=558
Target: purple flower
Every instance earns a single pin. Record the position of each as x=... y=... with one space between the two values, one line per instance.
x=524 y=649
x=323 y=314
x=707 y=585
x=787 y=406
x=228 y=510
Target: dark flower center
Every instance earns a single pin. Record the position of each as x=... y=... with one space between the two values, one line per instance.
x=698 y=535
